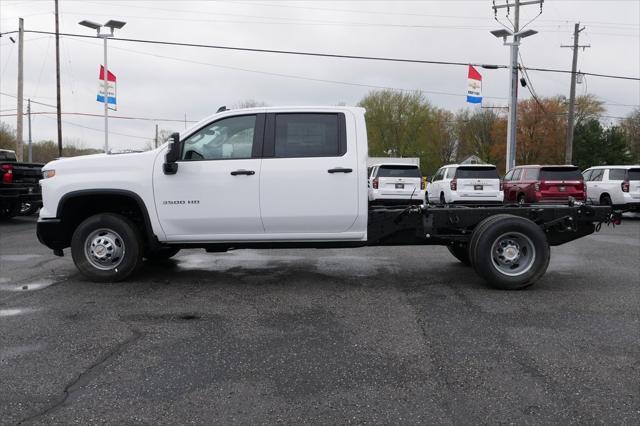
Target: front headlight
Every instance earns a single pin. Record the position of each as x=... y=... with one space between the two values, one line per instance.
x=48 y=174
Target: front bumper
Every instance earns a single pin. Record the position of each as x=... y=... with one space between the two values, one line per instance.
x=52 y=233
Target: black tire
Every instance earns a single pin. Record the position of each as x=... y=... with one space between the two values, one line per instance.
x=460 y=252
x=526 y=242
x=605 y=200
x=479 y=229
x=160 y=254
x=93 y=239
x=442 y=200
x=7 y=211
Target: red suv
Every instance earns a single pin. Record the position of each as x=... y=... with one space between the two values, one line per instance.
x=544 y=184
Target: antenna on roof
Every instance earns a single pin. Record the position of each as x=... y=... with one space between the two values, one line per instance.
x=222 y=108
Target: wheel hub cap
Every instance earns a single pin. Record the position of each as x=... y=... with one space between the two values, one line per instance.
x=104 y=249
x=513 y=254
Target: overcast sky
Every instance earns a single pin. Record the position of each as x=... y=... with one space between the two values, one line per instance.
x=168 y=82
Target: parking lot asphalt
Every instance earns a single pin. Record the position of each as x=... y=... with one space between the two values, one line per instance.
x=372 y=335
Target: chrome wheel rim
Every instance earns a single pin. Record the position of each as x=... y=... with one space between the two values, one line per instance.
x=104 y=249
x=513 y=254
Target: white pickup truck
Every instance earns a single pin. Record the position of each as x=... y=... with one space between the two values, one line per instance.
x=276 y=178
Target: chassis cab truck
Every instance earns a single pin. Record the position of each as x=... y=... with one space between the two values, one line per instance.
x=291 y=177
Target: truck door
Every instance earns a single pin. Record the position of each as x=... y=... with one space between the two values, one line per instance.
x=215 y=192
x=309 y=178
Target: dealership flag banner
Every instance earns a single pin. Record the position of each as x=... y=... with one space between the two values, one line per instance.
x=111 y=87
x=474 y=86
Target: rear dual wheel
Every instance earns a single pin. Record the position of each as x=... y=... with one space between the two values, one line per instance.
x=509 y=252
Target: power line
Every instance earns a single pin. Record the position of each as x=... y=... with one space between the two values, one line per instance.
x=321 y=80
x=89 y=114
x=326 y=55
x=101 y=130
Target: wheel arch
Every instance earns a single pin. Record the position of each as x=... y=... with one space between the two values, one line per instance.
x=76 y=206
x=605 y=194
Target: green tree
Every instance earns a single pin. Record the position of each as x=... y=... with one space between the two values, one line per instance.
x=596 y=146
x=479 y=134
x=397 y=124
x=631 y=128
x=7 y=137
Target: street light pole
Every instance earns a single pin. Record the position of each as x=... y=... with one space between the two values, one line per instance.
x=111 y=25
x=512 y=123
x=105 y=81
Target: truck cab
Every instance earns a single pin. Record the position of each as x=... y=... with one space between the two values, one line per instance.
x=289 y=175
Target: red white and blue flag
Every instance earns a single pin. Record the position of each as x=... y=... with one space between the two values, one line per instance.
x=111 y=87
x=474 y=86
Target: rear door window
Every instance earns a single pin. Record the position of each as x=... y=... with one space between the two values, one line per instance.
x=560 y=173
x=617 y=174
x=633 y=174
x=477 y=173
x=309 y=135
x=399 y=171
x=530 y=174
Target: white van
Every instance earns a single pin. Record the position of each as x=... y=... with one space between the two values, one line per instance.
x=395 y=183
x=466 y=183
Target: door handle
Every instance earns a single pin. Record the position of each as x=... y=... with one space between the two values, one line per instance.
x=242 y=172
x=339 y=170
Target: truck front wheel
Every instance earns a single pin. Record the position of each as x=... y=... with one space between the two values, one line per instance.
x=509 y=252
x=106 y=248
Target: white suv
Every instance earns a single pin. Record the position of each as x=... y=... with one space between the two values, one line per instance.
x=466 y=183
x=614 y=185
x=395 y=183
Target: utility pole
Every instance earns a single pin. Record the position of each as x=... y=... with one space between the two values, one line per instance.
x=568 y=153
x=19 y=135
x=29 y=117
x=156 y=136
x=512 y=123
x=58 y=102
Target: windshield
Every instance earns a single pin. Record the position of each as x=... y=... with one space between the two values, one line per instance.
x=560 y=173
x=399 y=171
x=633 y=174
x=489 y=172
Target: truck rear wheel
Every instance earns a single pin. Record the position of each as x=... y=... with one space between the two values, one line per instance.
x=460 y=252
x=106 y=248
x=509 y=252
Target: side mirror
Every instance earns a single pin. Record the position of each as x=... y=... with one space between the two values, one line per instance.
x=170 y=165
x=429 y=179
